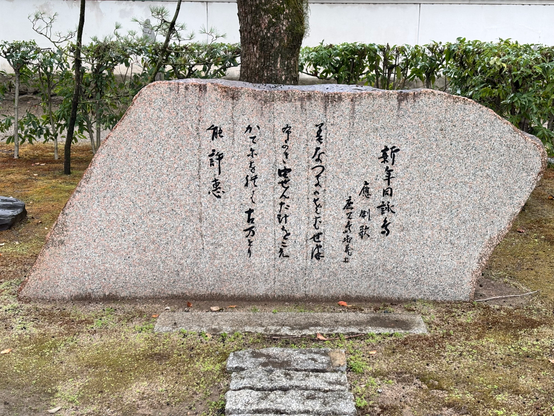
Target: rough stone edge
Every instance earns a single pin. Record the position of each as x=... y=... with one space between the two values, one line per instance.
x=241 y=380
x=347 y=396
x=16 y=218
x=265 y=414
x=403 y=95
x=493 y=241
x=336 y=359
x=59 y=221
x=419 y=328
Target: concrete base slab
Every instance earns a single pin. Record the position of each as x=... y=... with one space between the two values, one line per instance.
x=290 y=323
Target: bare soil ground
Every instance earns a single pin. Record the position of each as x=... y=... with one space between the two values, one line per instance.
x=103 y=358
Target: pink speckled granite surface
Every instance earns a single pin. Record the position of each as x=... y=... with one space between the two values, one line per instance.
x=143 y=222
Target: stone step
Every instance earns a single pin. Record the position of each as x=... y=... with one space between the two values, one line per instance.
x=292 y=402
x=286 y=381
x=310 y=359
x=264 y=380
x=290 y=323
x=278 y=414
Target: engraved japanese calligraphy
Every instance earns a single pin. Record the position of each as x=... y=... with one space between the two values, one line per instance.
x=219 y=189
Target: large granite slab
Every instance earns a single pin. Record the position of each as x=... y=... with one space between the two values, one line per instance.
x=224 y=189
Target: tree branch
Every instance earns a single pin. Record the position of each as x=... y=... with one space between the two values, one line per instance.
x=76 y=92
x=505 y=297
x=164 y=52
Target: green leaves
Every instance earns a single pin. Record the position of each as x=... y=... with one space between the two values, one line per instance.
x=19 y=54
x=31 y=128
x=380 y=66
x=115 y=69
x=347 y=63
x=515 y=80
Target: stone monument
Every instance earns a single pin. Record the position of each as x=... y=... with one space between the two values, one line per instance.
x=220 y=189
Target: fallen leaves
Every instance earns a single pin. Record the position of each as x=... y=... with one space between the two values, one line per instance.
x=320 y=337
x=232 y=306
x=551 y=360
x=520 y=230
x=215 y=308
x=372 y=352
x=6 y=351
x=155 y=315
x=54 y=410
x=189 y=305
x=353 y=307
x=551 y=197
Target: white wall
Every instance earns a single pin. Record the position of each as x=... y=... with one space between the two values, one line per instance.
x=331 y=21
x=524 y=23
x=100 y=17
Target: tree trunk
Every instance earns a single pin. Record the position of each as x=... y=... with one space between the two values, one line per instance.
x=164 y=52
x=98 y=123
x=50 y=115
x=90 y=129
x=16 y=118
x=271 y=34
x=76 y=92
x=98 y=126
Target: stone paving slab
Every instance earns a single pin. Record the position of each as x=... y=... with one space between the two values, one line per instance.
x=264 y=380
x=309 y=359
x=290 y=323
x=286 y=381
x=290 y=402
